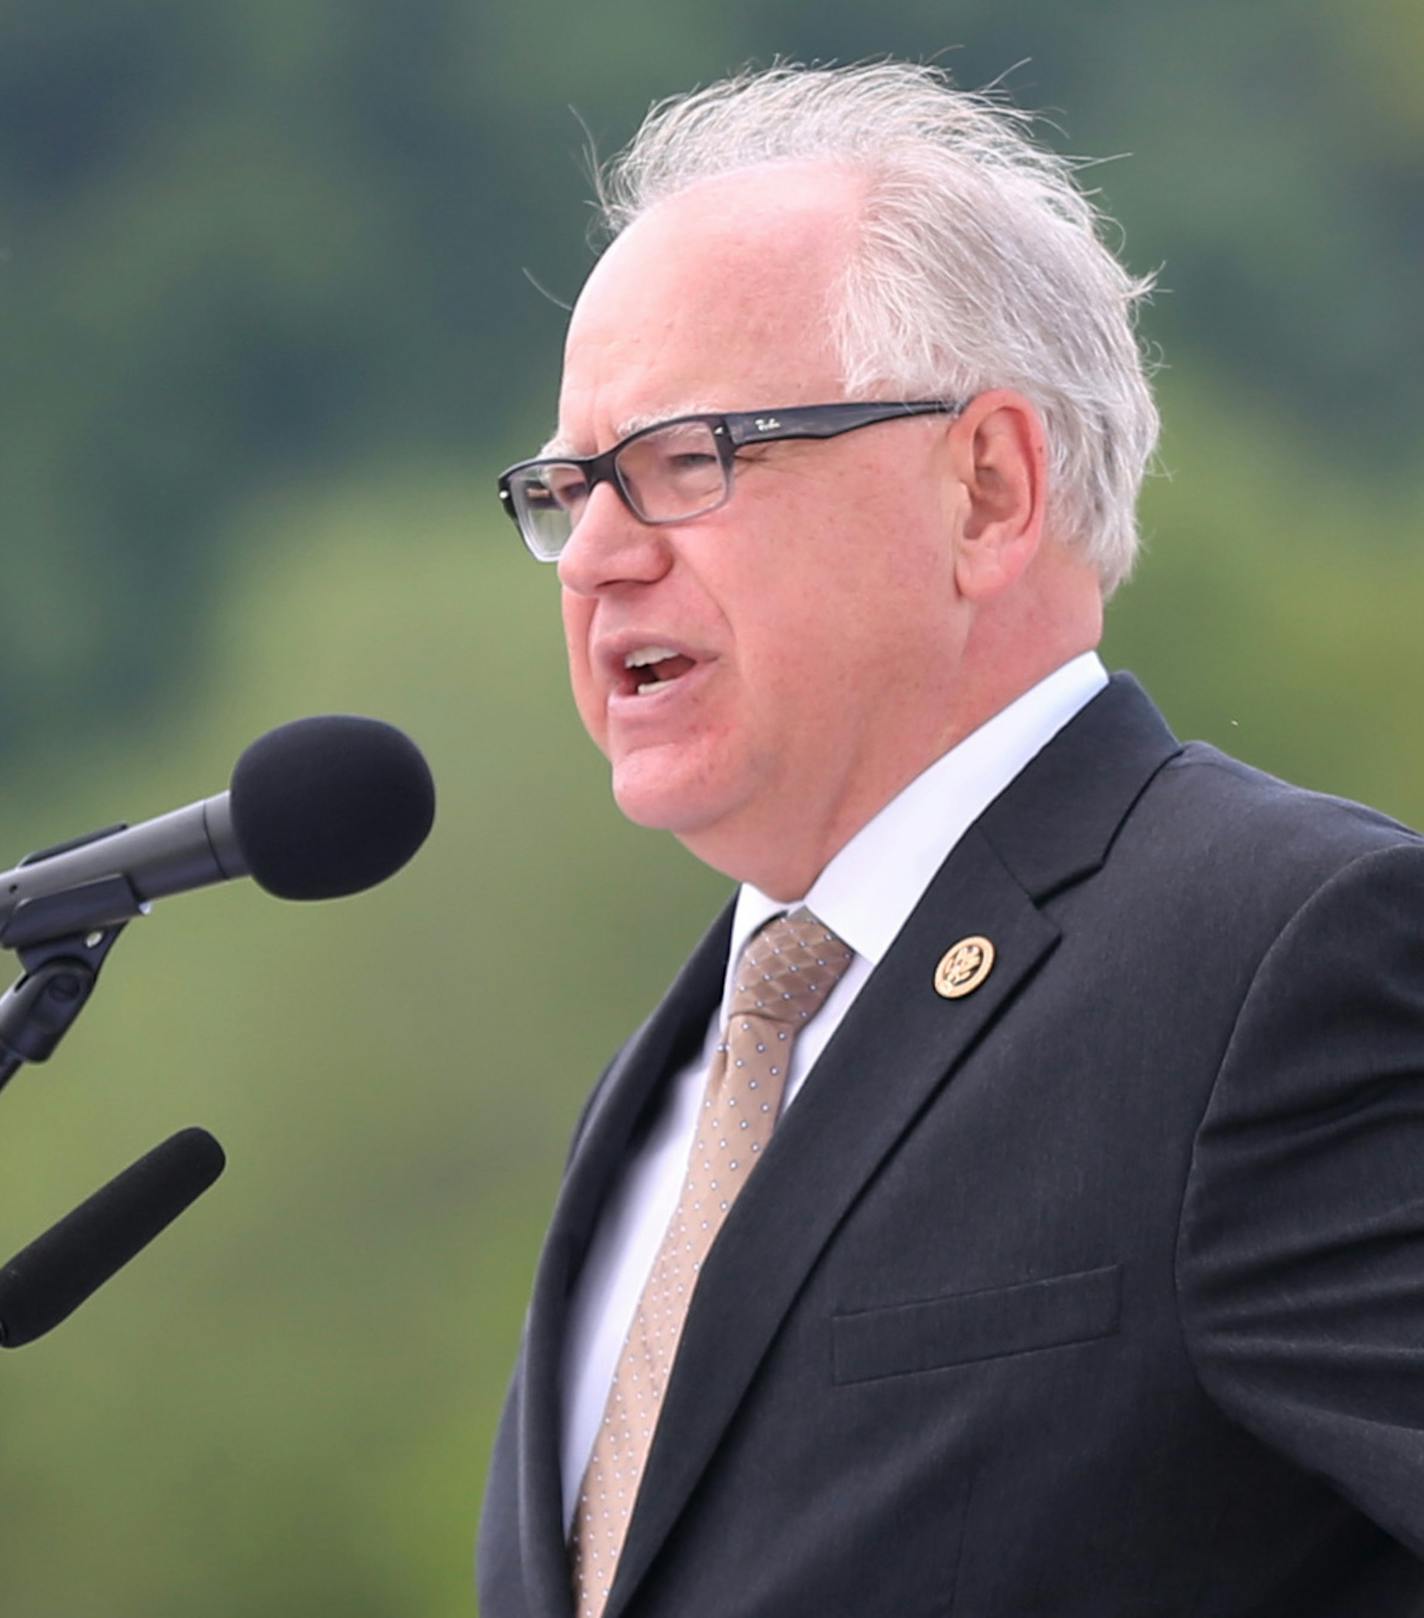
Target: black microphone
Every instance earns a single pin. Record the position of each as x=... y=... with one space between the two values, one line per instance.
x=317 y=808
x=55 y=1274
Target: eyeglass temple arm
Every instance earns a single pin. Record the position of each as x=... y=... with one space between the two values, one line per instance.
x=828 y=421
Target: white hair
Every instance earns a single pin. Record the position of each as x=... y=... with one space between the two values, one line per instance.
x=981 y=261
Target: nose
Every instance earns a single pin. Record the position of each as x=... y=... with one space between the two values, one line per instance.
x=609 y=546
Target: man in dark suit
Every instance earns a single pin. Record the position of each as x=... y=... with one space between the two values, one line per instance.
x=1082 y=1272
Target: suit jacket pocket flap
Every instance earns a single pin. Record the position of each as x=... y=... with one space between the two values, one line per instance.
x=956 y=1330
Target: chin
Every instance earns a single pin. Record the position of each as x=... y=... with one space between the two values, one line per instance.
x=661 y=797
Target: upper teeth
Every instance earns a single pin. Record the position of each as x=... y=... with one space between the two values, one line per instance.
x=647 y=654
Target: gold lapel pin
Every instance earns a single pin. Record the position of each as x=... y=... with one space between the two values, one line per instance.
x=964 y=967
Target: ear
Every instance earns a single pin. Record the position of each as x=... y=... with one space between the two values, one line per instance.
x=999 y=462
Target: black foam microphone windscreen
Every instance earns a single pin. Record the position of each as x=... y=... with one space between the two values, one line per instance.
x=48 y=1281
x=331 y=805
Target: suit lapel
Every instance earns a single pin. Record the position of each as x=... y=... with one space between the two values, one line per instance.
x=897 y=1046
x=658 y=1048
x=882 y=1065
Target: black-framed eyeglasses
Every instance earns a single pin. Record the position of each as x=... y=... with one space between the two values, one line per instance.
x=674 y=470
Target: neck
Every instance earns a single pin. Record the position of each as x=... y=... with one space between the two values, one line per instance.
x=756 y=848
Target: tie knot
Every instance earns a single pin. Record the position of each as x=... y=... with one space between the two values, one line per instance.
x=786 y=971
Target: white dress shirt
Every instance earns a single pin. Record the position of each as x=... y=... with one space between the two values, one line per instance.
x=865 y=895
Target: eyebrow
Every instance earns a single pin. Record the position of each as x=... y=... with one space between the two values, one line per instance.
x=559 y=445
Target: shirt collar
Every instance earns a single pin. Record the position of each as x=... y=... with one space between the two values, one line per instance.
x=866 y=893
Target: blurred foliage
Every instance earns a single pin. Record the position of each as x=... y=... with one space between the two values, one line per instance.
x=267 y=336
x=243 y=241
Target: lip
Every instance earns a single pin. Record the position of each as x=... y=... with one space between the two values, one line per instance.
x=628 y=707
x=611 y=651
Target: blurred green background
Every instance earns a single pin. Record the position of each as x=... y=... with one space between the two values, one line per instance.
x=268 y=330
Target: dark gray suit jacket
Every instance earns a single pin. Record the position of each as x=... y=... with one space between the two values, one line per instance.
x=1098 y=1293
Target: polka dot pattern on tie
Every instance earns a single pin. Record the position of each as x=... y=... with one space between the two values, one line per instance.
x=782 y=979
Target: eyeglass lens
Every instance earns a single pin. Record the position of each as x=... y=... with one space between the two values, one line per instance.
x=668 y=475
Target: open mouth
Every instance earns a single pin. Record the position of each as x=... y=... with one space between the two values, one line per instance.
x=651 y=667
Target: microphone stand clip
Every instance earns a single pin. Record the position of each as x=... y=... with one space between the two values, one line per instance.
x=62 y=940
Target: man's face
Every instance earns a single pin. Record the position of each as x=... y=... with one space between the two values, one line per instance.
x=814 y=616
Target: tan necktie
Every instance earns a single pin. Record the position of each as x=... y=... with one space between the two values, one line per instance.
x=782 y=980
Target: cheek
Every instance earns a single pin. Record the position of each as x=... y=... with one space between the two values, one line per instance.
x=898 y=569
x=874 y=624
x=798 y=664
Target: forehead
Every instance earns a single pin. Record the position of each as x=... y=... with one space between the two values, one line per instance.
x=717 y=298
